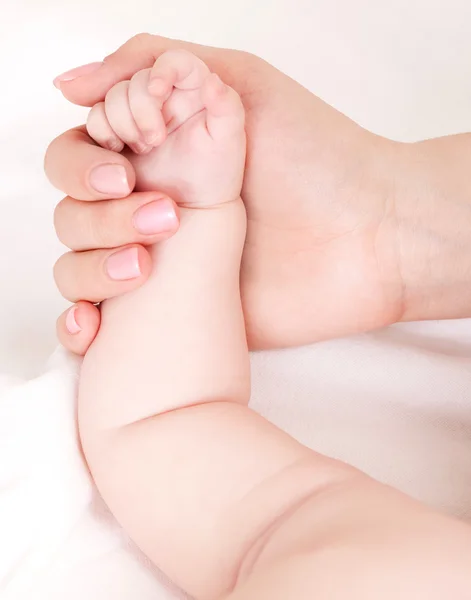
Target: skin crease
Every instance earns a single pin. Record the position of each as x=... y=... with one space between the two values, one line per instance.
x=384 y=545
x=247 y=512
x=341 y=223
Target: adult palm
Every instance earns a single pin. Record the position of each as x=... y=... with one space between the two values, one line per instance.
x=320 y=260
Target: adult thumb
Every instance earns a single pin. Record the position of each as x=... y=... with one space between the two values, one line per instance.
x=89 y=84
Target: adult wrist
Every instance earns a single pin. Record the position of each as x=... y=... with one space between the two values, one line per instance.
x=432 y=210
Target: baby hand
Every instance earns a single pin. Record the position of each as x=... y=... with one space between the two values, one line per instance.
x=184 y=129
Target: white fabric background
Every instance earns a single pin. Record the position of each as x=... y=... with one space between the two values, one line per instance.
x=396 y=403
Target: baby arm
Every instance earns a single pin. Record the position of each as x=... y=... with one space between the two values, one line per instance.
x=195 y=477
x=218 y=498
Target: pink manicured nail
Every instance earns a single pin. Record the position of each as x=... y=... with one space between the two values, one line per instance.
x=77 y=72
x=111 y=180
x=71 y=321
x=156 y=217
x=124 y=265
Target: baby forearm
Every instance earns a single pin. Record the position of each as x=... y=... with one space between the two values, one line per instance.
x=195 y=477
x=176 y=343
x=179 y=340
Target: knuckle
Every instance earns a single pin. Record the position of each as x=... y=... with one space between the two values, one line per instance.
x=91 y=129
x=135 y=79
x=91 y=225
x=181 y=53
x=69 y=222
x=59 y=213
x=84 y=225
x=63 y=265
x=103 y=223
x=50 y=153
x=119 y=88
x=96 y=112
x=249 y=64
x=100 y=227
x=245 y=59
x=247 y=56
x=95 y=120
x=139 y=78
x=141 y=40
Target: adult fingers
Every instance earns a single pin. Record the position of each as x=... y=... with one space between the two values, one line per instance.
x=143 y=218
x=101 y=274
x=78 y=326
x=89 y=84
x=80 y=168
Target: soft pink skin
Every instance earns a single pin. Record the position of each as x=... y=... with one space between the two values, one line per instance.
x=331 y=194
x=224 y=502
x=74 y=74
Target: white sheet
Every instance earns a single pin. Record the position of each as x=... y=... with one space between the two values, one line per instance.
x=57 y=539
x=399 y=410
x=396 y=403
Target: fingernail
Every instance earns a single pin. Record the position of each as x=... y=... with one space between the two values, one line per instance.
x=76 y=73
x=124 y=265
x=71 y=321
x=110 y=179
x=155 y=139
x=156 y=217
x=151 y=139
x=140 y=148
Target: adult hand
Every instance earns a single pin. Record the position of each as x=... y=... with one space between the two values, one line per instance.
x=333 y=210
